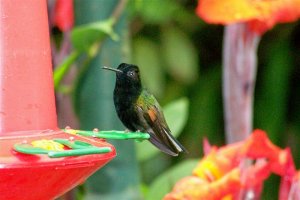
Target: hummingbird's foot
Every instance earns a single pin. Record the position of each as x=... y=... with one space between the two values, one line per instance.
x=96 y=130
x=126 y=130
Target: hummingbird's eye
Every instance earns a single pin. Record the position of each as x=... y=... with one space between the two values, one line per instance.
x=131 y=73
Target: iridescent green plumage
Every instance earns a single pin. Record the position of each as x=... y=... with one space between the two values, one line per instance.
x=140 y=111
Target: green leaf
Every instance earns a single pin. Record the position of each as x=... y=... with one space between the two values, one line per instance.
x=146 y=56
x=145 y=150
x=63 y=68
x=155 y=11
x=180 y=55
x=165 y=182
x=85 y=37
x=144 y=188
x=176 y=114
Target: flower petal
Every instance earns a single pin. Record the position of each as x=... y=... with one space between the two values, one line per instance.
x=64 y=17
x=261 y=14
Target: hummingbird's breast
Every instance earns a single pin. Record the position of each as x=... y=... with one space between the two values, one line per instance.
x=125 y=103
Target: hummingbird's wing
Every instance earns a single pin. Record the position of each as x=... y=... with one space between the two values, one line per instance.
x=154 y=123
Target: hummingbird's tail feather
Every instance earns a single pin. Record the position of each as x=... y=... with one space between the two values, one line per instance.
x=175 y=142
x=152 y=118
x=168 y=144
x=161 y=146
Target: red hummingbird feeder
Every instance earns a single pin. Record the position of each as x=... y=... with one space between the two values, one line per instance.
x=30 y=168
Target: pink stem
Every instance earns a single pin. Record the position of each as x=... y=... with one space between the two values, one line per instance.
x=239 y=62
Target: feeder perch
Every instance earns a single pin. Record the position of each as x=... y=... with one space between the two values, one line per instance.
x=37 y=159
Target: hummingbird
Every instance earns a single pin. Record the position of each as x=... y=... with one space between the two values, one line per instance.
x=139 y=110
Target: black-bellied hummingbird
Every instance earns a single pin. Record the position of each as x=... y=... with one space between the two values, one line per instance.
x=139 y=110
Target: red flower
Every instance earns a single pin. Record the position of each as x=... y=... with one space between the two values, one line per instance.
x=261 y=15
x=64 y=17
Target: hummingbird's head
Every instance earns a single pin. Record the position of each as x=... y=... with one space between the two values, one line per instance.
x=128 y=75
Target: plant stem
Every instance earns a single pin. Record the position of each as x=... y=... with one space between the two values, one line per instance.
x=119 y=10
x=239 y=65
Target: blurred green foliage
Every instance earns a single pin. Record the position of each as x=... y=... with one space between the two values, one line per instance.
x=84 y=37
x=166 y=181
x=180 y=61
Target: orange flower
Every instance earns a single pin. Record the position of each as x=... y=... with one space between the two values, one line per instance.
x=194 y=188
x=220 y=175
x=260 y=14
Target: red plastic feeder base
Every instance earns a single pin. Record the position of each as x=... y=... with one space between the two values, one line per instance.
x=32 y=177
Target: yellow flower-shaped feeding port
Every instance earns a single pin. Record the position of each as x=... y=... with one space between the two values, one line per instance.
x=49 y=145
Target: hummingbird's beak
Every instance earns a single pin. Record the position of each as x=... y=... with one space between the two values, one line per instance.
x=112 y=69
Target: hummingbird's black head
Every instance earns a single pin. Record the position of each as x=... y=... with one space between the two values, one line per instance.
x=128 y=76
